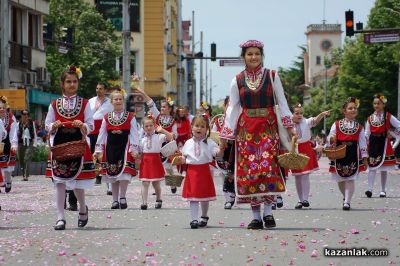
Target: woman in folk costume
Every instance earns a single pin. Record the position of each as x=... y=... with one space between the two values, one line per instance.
x=380 y=151
x=164 y=118
x=349 y=132
x=151 y=168
x=8 y=158
x=69 y=119
x=227 y=162
x=198 y=186
x=251 y=120
x=182 y=126
x=3 y=135
x=302 y=129
x=118 y=141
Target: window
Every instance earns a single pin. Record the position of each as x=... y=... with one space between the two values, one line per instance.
x=318 y=60
x=133 y=62
x=16 y=25
x=33 y=30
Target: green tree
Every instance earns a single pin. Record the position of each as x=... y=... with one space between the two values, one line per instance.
x=94 y=49
x=367 y=69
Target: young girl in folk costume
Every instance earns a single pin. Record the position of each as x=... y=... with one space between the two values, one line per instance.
x=151 y=168
x=183 y=126
x=198 y=186
x=166 y=120
x=380 y=151
x=68 y=119
x=118 y=144
x=227 y=162
x=349 y=132
x=251 y=121
x=3 y=135
x=8 y=158
x=303 y=132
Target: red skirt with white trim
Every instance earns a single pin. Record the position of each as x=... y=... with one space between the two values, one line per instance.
x=151 y=168
x=312 y=165
x=198 y=184
x=1 y=179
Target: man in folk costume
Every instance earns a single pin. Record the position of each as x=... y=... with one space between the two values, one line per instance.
x=8 y=158
x=100 y=105
x=380 y=150
x=252 y=121
x=70 y=119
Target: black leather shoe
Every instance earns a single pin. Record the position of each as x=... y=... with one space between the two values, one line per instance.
x=122 y=203
x=173 y=190
x=98 y=180
x=82 y=223
x=368 y=193
x=158 y=204
x=194 y=224
x=203 y=221
x=115 y=205
x=143 y=207
x=8 y=187
x=73 y=207
x=346 y=206
x=269 y=221
x=299 y=205
x=255 y=225
x=306 y=203
x=59 y=225
x=109 y=193
x=279 y=202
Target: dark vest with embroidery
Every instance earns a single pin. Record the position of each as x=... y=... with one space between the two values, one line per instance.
x=22 y=127
x=377 y=139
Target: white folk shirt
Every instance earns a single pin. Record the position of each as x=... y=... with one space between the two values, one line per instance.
x=302 y=129
x=235 y=109
x=105 y=107
x=154 y=111
x=198 y=152
x=378 y=119
x=13 y=132
x=133 y=135
x=153 y=143
x=3 y=131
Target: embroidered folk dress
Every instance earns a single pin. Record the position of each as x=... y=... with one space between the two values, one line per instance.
x=118 y=137
x=99 y=109
x=3 y=135
x=250 y=119
x=8 y=159
x=199 y=184
x=75 y=173
x=304 y=145
x=351 y=133
x=151 y=168
x=380 y=150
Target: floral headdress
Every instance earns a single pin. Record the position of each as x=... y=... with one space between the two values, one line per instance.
x=205 y=115
x=204 y=105
x=252 y=43
x=169 y=101
x=150 y=116
x=5 y=101
x=135 y=80
x=76 y=70
x=353 y=100
x=381 y=97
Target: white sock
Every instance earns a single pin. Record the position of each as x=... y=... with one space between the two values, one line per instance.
x=371 y=179
x=204 y=208
x=194 y=210
x=7 y=176
x=227 y=196
x=299 y=186
x=305 y=182
x=349 y=191
x=267 y=209
x=257 y=214
x=60 y=199
x=383 y=180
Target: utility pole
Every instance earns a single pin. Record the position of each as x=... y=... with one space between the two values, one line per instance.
x=206 y=100
x=4 y=24
x=211 y=87
x=126 y=47
x=193 y=69
x=182 y=92
x=201 y=69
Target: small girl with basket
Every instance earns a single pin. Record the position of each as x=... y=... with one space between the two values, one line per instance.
x=303 y=131
x=119 y=140
x=151 y=168
x=349 y=132
x=198 y=186
x=380 y=150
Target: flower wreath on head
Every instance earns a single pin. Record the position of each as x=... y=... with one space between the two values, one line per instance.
x=205 y=115
x=355 y=101
x=204 y=105
x=383 y=99
x=76 y=70
x=298 y=105
x=5 y=101
x=150 y=116
x=169 y=101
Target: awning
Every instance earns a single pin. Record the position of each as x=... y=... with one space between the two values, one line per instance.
x=42 y=98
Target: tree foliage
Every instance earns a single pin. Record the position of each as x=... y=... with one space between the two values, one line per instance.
x=94 y=49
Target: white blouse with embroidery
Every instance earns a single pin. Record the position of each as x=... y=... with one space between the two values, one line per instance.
x=302 y=129
x=377 y=118
x=154 y=111
x=152 y=143
x=199 y=152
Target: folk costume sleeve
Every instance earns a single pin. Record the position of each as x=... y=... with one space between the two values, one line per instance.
x=50 y=119
x=102 y=138
x=214 y=148
x=3 y=131
x=362 y=144
x=232 y=113
x=286 y=115
x=332 y=132
x=153 y=108
x=395 y=123
x=367 y=131
x=134 y=137
x=14 y=134
x=89 y=122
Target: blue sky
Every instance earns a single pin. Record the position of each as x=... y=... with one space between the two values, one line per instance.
x=280 y=24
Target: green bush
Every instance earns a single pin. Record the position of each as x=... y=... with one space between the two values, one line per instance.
x=40 y=153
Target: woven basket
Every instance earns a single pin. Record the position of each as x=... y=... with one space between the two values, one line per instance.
x=169 y=149
x=335 y=153
x=293 y=160
x=69 y=150
x=173 y=180
x=1 y=148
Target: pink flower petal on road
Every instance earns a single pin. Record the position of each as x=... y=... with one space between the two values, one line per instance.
x=221 y=222
x=284 y=243
x=343 y=241
x=242 y=224
x=301 y=246
x=62 y=253
x=355 y=231
x=148 y=244
x=82 y=260
x=266 y=237
x=314 y=253
x=314 y=241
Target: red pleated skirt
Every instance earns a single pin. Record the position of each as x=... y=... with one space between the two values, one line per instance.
x=151 y=168
x=312 y=165
x=198 y=184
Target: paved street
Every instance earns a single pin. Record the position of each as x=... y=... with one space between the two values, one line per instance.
x=163 y=237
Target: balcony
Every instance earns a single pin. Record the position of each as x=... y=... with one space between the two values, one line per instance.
x=26 y=57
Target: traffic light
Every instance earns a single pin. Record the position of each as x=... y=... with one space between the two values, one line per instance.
x=67 y=35
x=213 y=52
x=198 y=55
x=349 y=23
x=47 y=31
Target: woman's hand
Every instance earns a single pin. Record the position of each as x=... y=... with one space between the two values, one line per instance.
x=291 y=132
x=223 y=144
x=56 y=124
x=159 y=129
x=80 y=124
x=97 y=156
x=332 y=140
x=365 y=162
x=134 y=154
